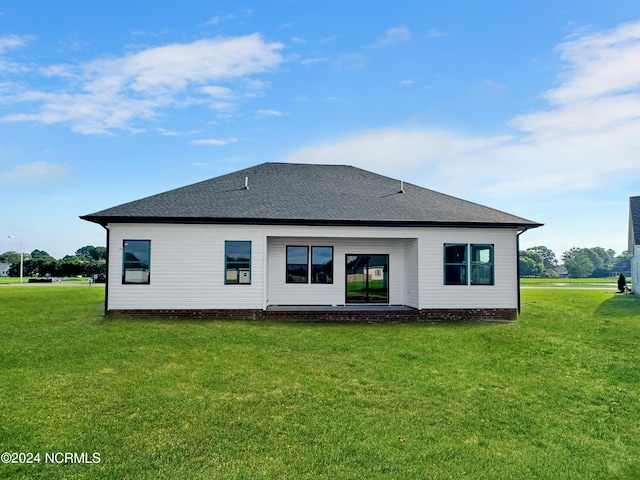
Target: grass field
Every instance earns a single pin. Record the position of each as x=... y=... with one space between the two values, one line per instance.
x=16 y=280
x=554 y=395
x=573 y=282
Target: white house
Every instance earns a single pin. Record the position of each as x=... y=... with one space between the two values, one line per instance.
x=295 y=239
x=4 y=269
x=634 y=242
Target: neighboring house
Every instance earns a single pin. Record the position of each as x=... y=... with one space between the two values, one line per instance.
x=311 y=238
x=634 y=242
x=4 y=269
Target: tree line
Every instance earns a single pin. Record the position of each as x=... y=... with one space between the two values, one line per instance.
x=86 y=261
x=593 y=262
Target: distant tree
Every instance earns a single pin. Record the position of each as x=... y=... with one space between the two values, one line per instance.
x=10 y=257
x=35 y=267
x=95 y=267
x=88 y=261
x=622 y=262
x=531 y=264
x=93 y=260
x=40 y=264
x=95 y=253
x=603 y=260
x=578 y=262
x=40 y=254
x=579 y=266
x=70 y=266
x=74 y=265
x=589 y=262
x=547 y=255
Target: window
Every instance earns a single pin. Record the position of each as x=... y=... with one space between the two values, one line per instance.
x=237 y=263
x=455 y=264
x=298 y=270
x=482 y=265
x=136 y=261
x=297 y=264
x=321 y=264
x=479 y=264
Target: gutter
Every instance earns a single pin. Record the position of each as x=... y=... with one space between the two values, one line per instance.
x=307 y=222
x=106 y=285
x=518 y=263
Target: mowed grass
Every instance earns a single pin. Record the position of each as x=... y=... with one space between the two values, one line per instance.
x=611 y=282
x=554 y=395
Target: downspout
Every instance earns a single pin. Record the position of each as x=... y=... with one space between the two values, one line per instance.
x=106 y=285
x=518 y=263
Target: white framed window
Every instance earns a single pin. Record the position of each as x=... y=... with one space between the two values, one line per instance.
x=237 y=262
x=136 y=261
x=309 y=264
x=469 y=264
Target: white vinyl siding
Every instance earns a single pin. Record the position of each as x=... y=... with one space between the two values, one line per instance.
x=635 y=269
x=282 y=293
x=188 y=268
x=411 y=273
x=435 y=294
x=188 y=263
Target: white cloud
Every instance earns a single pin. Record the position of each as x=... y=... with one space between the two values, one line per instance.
x=269 y=113
x=217 y=91
x=587 y=137
x=173 y=67
x=433 y=33
x=218 y=19
x=401 y=152
x=110 y=94
x=171 y=133
x=13 y=41
x=491 y=88
x=351 y=61
x=36 y=172
x=312 y=61
x=593 y=116
x=600 y=64
x=358 y=60
x=395 y=35
x=8 y=42
x=213 y=142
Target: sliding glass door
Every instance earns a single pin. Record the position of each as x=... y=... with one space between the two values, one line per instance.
x=367 y=278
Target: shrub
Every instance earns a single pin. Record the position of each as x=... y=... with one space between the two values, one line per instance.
x=622 y=283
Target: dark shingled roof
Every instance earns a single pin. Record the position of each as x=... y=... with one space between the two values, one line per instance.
x=634 y=217
x=285 y=193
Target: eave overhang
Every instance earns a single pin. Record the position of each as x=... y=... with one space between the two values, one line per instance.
x=104 y=221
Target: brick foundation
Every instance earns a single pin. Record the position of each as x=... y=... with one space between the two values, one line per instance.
x=333 y=315
x=433 y=315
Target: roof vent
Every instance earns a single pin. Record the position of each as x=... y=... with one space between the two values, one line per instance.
x=246 y=183
x=401 y=186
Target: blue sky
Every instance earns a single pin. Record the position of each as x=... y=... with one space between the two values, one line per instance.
x=532 y=107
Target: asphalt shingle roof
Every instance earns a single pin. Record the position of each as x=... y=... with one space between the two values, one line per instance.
x=634 y=212
x=310 y=194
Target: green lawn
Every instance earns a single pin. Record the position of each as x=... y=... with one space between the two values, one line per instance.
x=554 y=395
x=4 y=280
x=16 y=280
x=568 y=282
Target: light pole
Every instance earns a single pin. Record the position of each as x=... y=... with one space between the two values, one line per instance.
x=21 y=255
